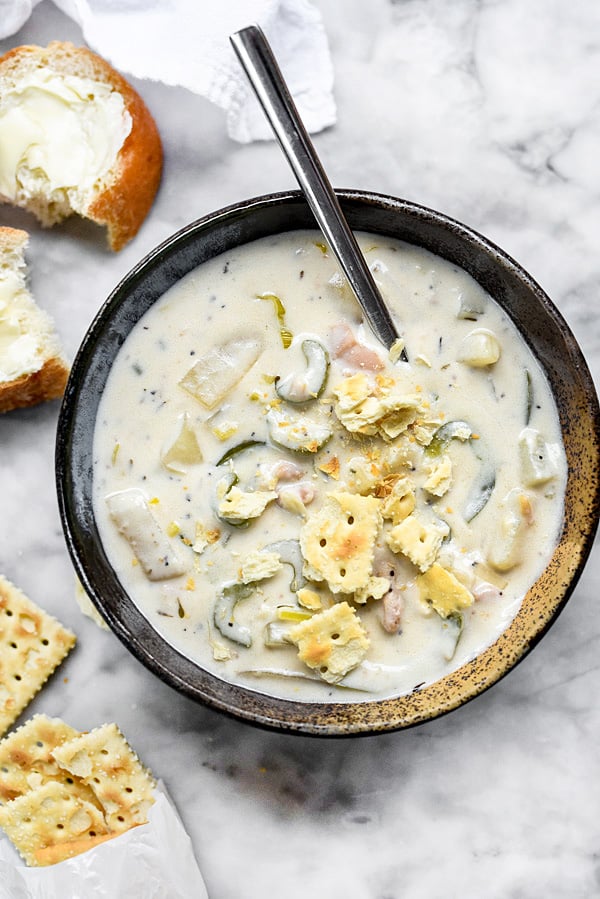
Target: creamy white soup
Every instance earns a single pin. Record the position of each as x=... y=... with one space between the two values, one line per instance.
x=301 y=511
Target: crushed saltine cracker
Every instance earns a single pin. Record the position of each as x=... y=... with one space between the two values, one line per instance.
x=333 y=642
x=339 y=541
x=32 y=645
x=63 y=792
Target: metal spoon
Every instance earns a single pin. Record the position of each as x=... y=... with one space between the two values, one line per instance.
x=260 y=65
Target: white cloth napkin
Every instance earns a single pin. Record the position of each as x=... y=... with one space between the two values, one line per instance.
x=186 y=43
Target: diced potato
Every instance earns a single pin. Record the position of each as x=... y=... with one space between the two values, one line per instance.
x=479 y=348
x=537 y=464
x=471 y=305
x=213 y=375
x=277 y=633
x=182 y=448
x=151 y=546
x=507 y=541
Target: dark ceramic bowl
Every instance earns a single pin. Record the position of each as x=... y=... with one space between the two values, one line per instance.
x=537 y=319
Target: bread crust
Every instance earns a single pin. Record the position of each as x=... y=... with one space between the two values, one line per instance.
x=127 y=195
x=12 y=240
x=49 y=381
x=46 y=384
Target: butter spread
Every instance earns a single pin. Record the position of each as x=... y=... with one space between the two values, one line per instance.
x=19 y=349
x=59 y=135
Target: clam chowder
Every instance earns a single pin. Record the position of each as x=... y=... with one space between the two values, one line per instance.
x=303 y=512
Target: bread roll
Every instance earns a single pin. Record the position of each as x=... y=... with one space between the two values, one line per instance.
x=32 y=365
x=76 y=137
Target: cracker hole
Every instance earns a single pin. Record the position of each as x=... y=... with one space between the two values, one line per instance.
x=96 y=780
x=128 y=789
x=323 y=669
x=60 y=826
x=17 y=677
x=104 y=752
x=39 y=743
x=13 y=644
x=335 y=636
x=69 y=780
x=120 y=818
x=342 y=572
x=45 y=642
x=322 y=542
x=9 y=612
x=351 y=519
x=91 y=833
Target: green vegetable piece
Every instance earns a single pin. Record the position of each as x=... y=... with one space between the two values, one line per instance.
x=300 y=388
x=452 y=628
x=280 y=672
x=480 y=494
x=290 y=554
x=529 y=396
x=234 y=451
x=284 y=333
x=224 y=612
x=482 y=489
x=299 y=675
x=451 y=430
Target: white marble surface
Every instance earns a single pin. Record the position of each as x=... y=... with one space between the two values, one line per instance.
x=488 y=110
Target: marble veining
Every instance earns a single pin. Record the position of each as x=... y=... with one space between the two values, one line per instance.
x=488 y=110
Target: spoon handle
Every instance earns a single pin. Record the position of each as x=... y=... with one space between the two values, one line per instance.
x=260 y=65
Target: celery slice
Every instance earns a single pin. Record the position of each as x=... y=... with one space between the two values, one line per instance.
x=301 y=388
x=224 y=612
x=284 y=333
x=451 y=430
x=290 y=554
x=239 y=448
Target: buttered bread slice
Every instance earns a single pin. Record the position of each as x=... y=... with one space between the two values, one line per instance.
x=75 y=137
x=32 y=365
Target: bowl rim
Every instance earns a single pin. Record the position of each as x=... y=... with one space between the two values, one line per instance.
x=365 y=717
